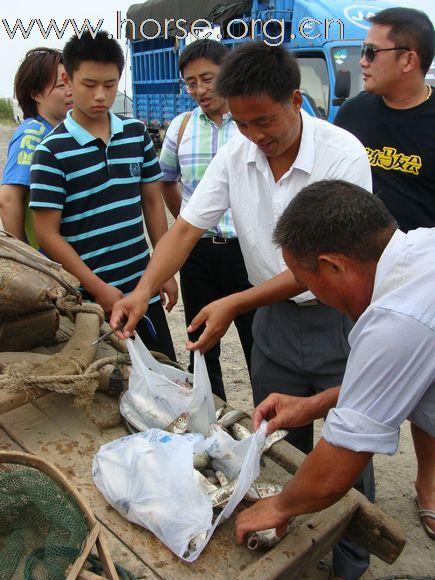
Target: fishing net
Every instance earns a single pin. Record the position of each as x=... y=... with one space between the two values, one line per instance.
x=43 y=529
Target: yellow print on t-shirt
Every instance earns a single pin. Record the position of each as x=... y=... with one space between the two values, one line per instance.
x=388 y=158
x=30 y=140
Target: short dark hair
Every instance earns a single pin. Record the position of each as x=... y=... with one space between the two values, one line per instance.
x=334 y=216
x=203 y=48
x=254 y=68
x=37 y=71
x=100 y=47
x=411 y=28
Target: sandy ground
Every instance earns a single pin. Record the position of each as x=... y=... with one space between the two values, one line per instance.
x=394 y=475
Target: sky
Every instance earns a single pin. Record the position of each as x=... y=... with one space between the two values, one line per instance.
x=110 y=12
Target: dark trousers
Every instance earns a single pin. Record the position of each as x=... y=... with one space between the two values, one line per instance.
x=213 y=271
x=163 y=341
x=300 y=351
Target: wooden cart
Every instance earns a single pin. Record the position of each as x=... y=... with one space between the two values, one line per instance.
x=52 y=428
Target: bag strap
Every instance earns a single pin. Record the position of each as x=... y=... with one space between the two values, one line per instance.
x=183 y=127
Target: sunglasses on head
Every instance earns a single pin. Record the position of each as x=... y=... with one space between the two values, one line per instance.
x=368 y=51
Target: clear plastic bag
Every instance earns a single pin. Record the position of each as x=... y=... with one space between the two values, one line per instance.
x=148 y=477
x=158 y=393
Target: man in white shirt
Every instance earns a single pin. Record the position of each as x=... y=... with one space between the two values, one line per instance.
x=215 y=268
x=298 y=350
x=344 y=245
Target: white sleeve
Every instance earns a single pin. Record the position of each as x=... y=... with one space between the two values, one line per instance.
x=211 y=198
x=390 y=368
x=353 y=164
x=359 y=172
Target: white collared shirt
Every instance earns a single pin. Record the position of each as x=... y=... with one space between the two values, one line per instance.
x=390 y=373
x=240 y=178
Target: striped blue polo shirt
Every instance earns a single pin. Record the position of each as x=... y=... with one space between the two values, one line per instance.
x=97 y=187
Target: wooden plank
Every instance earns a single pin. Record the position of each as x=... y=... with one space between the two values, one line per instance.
x=6 y=443
x=378 y=532
x=9 y=401
x=29 y=331
x=296 y=553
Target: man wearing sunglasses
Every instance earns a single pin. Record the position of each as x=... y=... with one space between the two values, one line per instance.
x=395 y=121
x=394 y=117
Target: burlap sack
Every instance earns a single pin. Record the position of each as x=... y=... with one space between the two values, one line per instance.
x=29 y=282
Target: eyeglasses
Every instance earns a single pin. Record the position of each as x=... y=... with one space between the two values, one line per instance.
x=369 y=51
x=193 y=87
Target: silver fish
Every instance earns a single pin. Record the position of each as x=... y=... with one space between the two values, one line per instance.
x=262 y=489
x=200 y=460
x=186 y=384
x=179 y=425
x=195 y=543
x=240 y=432
x=222 y=478
x=150 y=410
x=134 y=420
x=219 y=412
x=273 y=438
x=220 y=497
x=211 y=476
x=206 y=485
x=263 y=540
x=231 y=417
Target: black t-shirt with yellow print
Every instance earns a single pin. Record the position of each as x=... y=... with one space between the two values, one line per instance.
x=401 y=149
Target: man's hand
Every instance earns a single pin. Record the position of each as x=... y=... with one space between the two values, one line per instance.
x=170 y=289
x=263 y=515
x=106 y=296
x=127 y=313
x=282 y=411
x=217 y=317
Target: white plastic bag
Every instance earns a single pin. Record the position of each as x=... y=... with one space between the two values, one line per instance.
x=148 y=477
x=156 y=395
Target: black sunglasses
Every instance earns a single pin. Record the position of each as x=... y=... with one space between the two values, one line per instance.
x=369 y=51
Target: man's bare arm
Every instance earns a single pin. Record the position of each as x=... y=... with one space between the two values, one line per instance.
x=218 y=315
x=169 y=255
x=153 y=211
x=325 y=476
x=157 y=225
x=172 y=196
x=47 y=230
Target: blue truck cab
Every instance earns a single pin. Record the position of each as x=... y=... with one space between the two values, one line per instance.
x=326 y=37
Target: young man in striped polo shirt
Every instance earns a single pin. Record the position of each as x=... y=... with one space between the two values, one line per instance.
x=94 y=181
x=215 y=267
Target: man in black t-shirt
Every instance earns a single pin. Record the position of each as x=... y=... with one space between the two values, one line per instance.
x=394 y=117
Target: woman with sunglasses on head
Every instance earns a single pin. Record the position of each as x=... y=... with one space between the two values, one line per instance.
x=41 y=94
x=394 y=117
